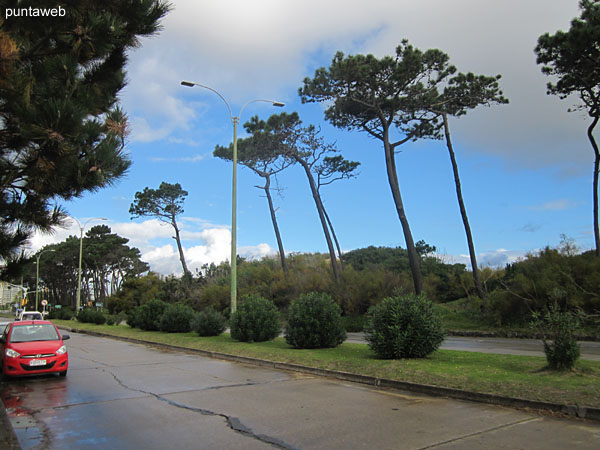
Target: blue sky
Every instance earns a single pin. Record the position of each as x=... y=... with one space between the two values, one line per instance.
x=526 y=167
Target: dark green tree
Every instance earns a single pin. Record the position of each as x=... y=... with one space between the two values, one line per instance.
x=257 y=153
x=108 y=261
x=164 y=203
x=573 y=58
x=381 y=95
x=319 y=160
x=62 y=133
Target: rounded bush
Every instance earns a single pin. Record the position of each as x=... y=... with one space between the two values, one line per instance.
x=176 y=319
x=64 y=313
x=404 y=326
x=314 y=321
x=256 y=320
x=208 y=323
x=558 y=335
x=147 y=316
x=90 y=315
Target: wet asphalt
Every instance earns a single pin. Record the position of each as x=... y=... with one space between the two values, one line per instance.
x=120 y=395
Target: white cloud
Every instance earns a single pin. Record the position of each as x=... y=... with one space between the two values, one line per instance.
x=495 y=258
x=209 y=243
x=190 y=159
x=266 y=47
x=555 y=205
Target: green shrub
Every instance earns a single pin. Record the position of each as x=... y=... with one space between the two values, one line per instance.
x=133 y=317
x=147 y=316
x=404 y=326
x=558 y=330
x=208 y=323
x=115 y=319
x=314 y=321
x=90 y=315
x=64 y=313
x=176 y=319
x=256 y=320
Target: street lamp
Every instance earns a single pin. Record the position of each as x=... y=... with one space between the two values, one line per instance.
x=235 y=121
x=81 y=227
x=37 y=276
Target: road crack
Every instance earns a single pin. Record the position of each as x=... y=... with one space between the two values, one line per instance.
x=233 y=423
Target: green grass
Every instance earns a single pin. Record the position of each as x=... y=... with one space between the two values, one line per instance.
x=509 y=375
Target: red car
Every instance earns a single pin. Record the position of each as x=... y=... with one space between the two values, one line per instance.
x=33 y=347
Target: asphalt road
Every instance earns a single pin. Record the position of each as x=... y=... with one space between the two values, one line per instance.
x=119 y=395
x=530 y=347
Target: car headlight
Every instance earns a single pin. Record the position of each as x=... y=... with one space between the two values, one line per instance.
x=62 y=350
x=11 y=353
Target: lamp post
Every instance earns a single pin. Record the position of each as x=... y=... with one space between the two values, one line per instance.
x=81 y=227
x=235 y=120
x=37 y=276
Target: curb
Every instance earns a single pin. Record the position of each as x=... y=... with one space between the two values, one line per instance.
x=8 y=438
x=582 y=412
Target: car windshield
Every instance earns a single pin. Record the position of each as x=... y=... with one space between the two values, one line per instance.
x=36 y=332
x=32 y=316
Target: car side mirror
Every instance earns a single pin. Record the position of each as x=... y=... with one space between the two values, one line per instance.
x=2 y=340
x=65 y=337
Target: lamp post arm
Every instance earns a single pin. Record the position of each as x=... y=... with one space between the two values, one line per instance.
x=191 y=84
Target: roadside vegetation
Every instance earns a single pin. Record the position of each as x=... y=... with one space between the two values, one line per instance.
x=515 y=376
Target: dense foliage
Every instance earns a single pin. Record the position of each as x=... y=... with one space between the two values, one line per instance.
x=208 y=323
x=91 y=315
x=534 y=283
x=256 y=320
x=63 y=133
x=147 y=316
x=558 y=334
x=107 y=263
x=176 y=319
x=314 y=321
x=372 y=274
x=404 y=326
x=61 y=314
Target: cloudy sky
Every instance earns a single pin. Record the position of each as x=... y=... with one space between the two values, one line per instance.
x=526 y=167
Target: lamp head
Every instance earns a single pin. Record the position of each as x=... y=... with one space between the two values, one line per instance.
x=187 y=83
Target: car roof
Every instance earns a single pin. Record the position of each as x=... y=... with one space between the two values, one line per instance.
x=31 y=322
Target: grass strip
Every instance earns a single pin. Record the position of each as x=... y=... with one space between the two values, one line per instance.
x=515 y=376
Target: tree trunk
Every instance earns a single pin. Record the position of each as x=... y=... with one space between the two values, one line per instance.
x=320 y=209
x=335 y=240
x=595 y=184
x=413 y=256
x=274 y=221
x=463 y=211
x=179 y=247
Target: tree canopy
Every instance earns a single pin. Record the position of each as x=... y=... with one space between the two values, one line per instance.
x=377 y=96
x=573 y=58
x=62 y=132
x=164 y=203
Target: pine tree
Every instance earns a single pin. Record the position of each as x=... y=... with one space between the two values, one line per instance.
x=62 y=132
